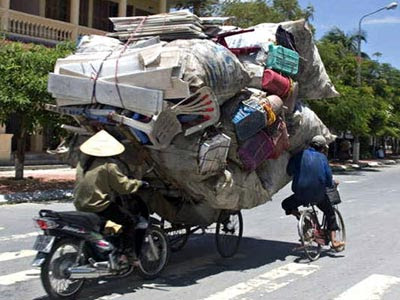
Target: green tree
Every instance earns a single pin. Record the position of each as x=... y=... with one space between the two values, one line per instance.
x=373 y=108
x=24 y=71
x=199 y=7
x=253 y=12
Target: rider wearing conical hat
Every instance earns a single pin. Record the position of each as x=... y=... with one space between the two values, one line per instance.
x=100 y=179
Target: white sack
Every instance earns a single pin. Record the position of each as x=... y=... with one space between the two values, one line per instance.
x=205 y=63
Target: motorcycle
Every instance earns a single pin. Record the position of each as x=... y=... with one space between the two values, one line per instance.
x=73 y=248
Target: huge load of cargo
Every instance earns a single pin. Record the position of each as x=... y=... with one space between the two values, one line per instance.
x=210 y=114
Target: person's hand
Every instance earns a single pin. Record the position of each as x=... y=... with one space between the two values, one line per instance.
x=335 y=182
x=145 y=184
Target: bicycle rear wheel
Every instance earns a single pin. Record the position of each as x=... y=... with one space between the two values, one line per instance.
x=341 y=232
x=307 y=227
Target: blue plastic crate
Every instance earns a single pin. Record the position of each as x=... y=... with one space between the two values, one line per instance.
x=248 y=121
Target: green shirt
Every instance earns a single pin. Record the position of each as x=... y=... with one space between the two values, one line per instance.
x=95 y=189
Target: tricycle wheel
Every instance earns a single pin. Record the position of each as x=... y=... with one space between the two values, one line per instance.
x=178 y=236
x=155 y=253
x=229 y=232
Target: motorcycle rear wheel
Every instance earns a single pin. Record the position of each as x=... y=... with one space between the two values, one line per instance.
x=54 y=272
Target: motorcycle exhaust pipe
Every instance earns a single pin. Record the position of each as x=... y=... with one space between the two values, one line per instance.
x=85 y=272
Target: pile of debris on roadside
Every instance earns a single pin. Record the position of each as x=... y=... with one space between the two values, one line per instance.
x=210 y=114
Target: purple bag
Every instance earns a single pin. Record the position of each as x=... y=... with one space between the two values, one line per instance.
x=256 y=150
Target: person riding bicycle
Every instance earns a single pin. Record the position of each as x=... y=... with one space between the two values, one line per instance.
x=100 y=179
x=311 y=176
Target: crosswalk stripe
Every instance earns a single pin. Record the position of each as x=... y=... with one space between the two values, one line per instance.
x=15 y=255
x=1 y=228
x=18 y=236
x=269 y=281
x=112 y=296
x=19 y=276
x=371 y=288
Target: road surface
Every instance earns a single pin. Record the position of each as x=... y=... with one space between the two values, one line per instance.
x=266 y=267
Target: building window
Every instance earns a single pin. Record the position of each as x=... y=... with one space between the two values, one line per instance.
x=101 y=12
x=141 y=12
x=129 y=10
x=84 y=12
x=58 y=10
x=30 y=7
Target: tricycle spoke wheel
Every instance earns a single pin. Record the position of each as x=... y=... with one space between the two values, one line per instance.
x=229 y=232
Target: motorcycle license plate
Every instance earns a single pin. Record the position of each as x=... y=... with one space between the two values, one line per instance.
x=44 y=243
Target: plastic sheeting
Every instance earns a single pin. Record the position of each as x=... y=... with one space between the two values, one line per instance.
x=206 y=63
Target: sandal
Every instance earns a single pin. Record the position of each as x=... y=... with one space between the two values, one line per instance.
x=339 y=247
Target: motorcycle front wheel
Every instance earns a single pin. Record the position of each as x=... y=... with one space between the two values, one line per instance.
x=54 y=272
x=155 y=253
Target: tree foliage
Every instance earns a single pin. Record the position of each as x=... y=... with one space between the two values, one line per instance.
x=199 y=7
x=371 y=109
x=253 y=12
x=24 y=71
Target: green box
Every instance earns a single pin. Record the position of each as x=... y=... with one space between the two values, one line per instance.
x=283 y=60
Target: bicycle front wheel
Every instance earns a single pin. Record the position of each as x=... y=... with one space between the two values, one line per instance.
x=341 y=232
x=307 y=228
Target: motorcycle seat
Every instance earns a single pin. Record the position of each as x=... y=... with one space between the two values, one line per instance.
x=76 y=218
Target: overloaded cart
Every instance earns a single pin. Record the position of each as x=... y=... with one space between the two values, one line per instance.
x=209 y=114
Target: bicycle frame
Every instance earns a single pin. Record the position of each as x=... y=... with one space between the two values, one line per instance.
x=322 y=228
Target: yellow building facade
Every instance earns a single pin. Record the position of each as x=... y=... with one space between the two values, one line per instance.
x=51 y=21
x=58 y=20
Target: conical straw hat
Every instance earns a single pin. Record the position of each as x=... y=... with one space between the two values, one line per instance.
x=102 y=144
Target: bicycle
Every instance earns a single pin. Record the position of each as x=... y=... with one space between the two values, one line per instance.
x=314 y=233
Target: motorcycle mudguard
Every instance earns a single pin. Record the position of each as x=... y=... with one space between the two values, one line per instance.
x=39 y=259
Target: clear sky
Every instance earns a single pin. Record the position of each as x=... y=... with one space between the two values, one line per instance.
x=383 y=28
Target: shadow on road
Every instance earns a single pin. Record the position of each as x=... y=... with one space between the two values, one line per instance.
x=199 y=259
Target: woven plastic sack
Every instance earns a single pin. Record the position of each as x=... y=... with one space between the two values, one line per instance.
x=205 y=63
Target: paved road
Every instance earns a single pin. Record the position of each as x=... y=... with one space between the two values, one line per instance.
x=266 y=266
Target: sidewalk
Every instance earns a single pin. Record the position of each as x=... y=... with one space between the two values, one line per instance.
x=40 y=183
x=362 y=164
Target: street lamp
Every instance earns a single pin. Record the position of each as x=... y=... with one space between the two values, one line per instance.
x=392 y=5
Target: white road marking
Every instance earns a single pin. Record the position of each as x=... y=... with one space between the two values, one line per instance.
x=351 y=181
x=15 y=255
x=18 y=236
x=371 y=288
x=267 y=282
x=1 y=228
x=19 y=276
x=112 y=296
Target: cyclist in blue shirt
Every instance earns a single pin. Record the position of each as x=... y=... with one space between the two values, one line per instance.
x=311 y=176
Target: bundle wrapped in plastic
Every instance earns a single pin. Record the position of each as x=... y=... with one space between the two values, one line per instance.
x=190 y=117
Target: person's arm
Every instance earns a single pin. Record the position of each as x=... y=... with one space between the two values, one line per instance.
x=121 y=183
x=291 y=167
x=328 y=173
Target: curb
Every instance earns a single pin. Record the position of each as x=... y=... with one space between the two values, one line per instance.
x=37 y=196
x=4 y=168
x=364 y=165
